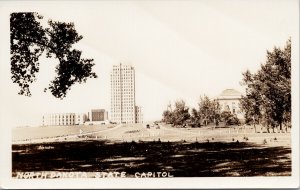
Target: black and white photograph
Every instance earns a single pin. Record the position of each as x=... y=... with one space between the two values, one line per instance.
x=149 y=94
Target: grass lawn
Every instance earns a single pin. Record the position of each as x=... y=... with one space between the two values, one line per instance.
x=53 y=131
x=213 y=159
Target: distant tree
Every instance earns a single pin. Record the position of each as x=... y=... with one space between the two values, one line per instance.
x=205 y=109
x=181 y=113
x=229 y=118
x=216 y=111
x=29 y=40
x=195 y=119
x=209 y=110
x=177 y=117
x=268 y=93
x=167 y=116
x=225 y=115
x=251 y=103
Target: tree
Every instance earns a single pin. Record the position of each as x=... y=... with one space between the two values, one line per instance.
x=29 y=40
x=167 y=117
x=229 y=118
x=209 y=110
x=268 y=93
x=195 y=119
x=251 y=103
x=179 y=116
x=215 y=111
x=205 y=107
x=181 y=113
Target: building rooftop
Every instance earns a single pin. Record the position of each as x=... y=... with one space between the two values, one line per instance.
x=229 y=94
x=98 y=110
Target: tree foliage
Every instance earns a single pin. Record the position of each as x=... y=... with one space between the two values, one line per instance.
x=195 y=119
x=268 y=92
x=180 y=113
x=229 y=118
x=208 y=111
x=167 y=116
x=178 y=116
x=29 y=40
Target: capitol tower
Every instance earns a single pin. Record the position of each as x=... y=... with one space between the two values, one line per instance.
x=123 y=108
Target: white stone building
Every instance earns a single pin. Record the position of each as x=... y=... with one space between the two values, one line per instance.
x=229 y=100
x=80 y=119
x=123 y=108
x=64 y=119
x=138 y=114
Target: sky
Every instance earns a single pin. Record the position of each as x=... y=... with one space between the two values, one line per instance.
x=179 y=49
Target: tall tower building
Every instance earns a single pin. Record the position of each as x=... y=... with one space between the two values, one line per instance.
x=123 y=94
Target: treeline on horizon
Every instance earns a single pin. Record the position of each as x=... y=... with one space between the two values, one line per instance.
x=208 y=112
x=267 y=101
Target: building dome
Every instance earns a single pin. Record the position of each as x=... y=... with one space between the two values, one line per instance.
x=230 y=93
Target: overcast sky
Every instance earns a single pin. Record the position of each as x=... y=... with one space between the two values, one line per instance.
x=180 y=50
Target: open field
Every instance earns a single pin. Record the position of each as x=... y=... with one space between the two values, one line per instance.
x=184 y=152
x=138 y=132
x=29 y=133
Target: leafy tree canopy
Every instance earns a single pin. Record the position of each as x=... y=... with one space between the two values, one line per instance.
x=268 y=92
x=29 y=40
x=209 y=111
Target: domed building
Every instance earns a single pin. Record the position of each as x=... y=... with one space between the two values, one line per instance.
x=229 y=100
